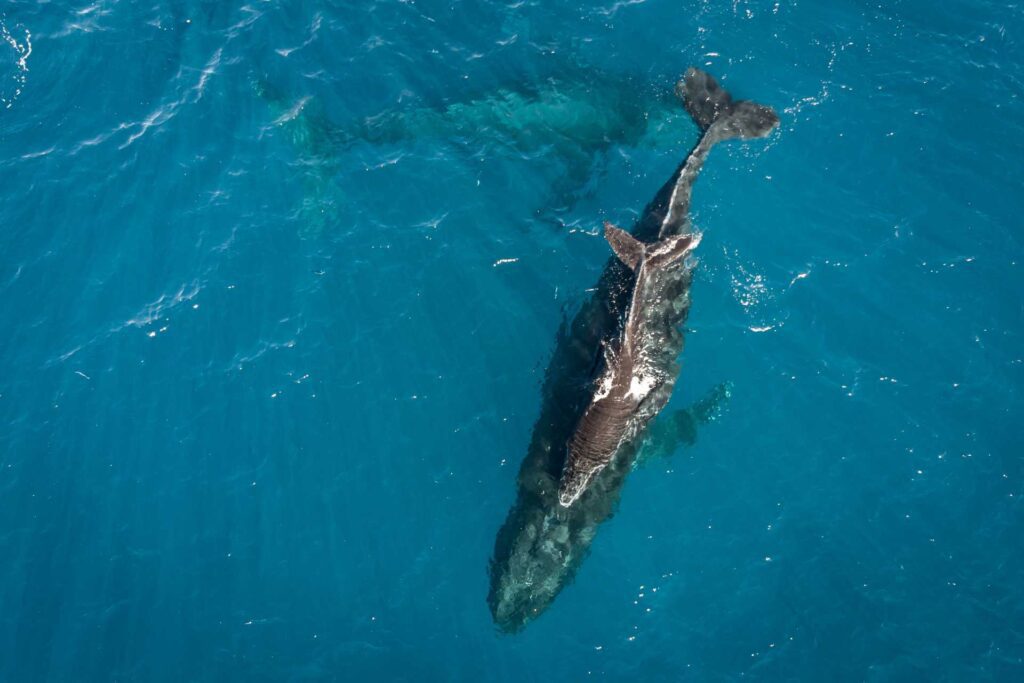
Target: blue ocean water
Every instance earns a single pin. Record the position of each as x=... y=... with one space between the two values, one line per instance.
x=279 y=282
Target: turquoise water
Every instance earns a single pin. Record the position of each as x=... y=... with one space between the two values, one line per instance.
x=280 y=282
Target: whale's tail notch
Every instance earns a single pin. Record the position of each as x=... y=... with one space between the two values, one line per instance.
x=711 y=104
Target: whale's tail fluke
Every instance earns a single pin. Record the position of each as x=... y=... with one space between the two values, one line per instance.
x=711 y=105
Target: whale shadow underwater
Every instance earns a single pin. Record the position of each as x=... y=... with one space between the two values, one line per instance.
x=545 y=539
x=571 y=123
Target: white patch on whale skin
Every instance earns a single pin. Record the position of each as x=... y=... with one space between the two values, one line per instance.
x=607 y=381
x=604 y=387
x=639 y=387
x=568 y=496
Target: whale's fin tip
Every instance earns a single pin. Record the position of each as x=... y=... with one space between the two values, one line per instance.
x=710 y=103
x=703 y=97
x=628 y=248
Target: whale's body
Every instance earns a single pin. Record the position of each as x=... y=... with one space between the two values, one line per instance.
x=586 y=439
x=569 y=123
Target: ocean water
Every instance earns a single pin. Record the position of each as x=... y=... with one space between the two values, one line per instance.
x=279 y=283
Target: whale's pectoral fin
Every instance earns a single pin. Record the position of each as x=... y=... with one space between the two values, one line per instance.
x=710 y=407
x=710 y=104
x=628 y=248
x=665 y=435
x=670 y=431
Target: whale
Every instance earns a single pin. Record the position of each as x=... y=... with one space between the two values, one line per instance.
x=572 y=124
x=612 y=371
x=563 y=117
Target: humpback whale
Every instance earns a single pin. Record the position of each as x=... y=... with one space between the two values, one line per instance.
x=612 y=371
x=570 y=123
x=558 y=116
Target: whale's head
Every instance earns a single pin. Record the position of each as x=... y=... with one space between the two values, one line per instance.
x=575 y=479
x=543 y=542
x=538 y=562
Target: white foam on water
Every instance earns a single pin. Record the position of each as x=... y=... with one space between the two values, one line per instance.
x=292 y=112
x=314 y=29
x=22 y=51
x=614 y=8
x=799 y=276
x=757 y=296
x=204 y=75
x=156 y=118
x=156 y=310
